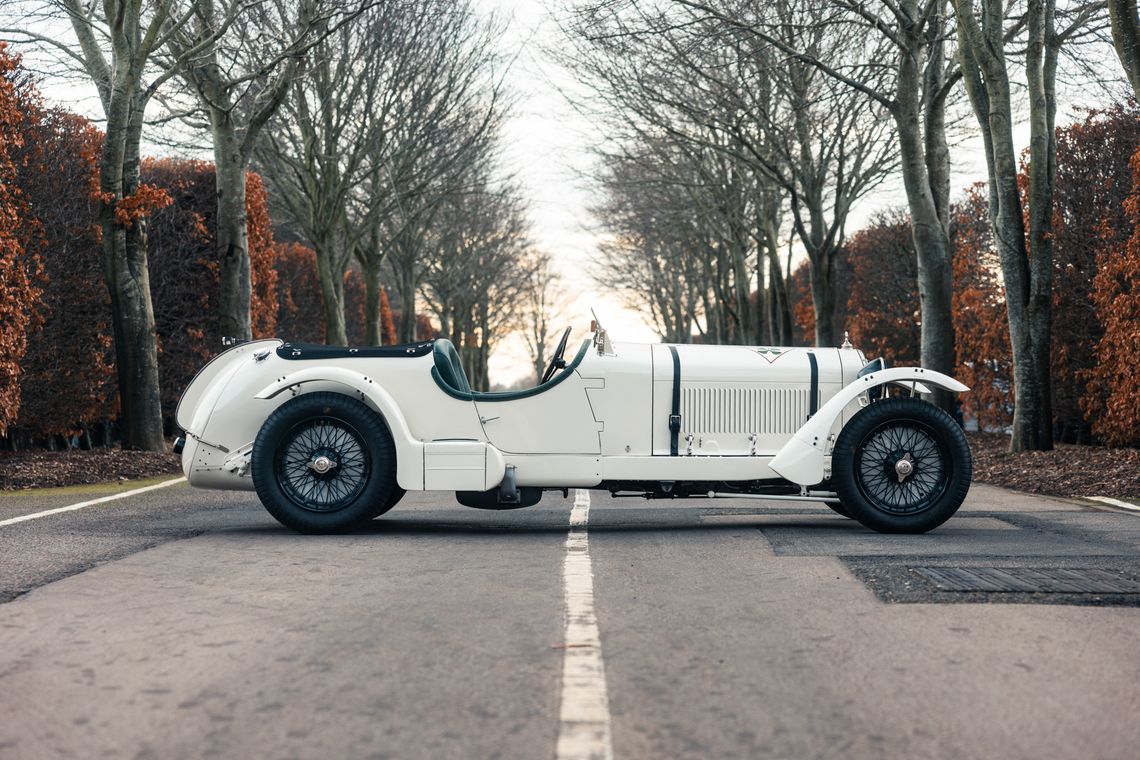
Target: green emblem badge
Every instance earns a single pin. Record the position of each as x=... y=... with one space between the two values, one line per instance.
x=769 y=353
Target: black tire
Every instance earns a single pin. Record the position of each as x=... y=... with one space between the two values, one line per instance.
x=838 y=508
x=357 y=452
x=393 y=499
x=865 y=466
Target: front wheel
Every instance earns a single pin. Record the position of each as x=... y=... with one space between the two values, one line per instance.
x=838 y=508
x=901 y=466
x=324 y=463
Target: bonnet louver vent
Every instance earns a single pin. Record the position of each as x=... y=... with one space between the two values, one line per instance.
x=712 y=410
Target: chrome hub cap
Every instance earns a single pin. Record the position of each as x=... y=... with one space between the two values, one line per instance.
x=321 y=464
x=904 y=467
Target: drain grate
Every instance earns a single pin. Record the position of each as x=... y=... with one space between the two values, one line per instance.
x=1029 y=580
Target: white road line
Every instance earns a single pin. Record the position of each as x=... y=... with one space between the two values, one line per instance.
x=82 y=504
x=584 y=719
x=1115 y=502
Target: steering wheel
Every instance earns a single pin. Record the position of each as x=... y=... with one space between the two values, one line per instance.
x=556 y=361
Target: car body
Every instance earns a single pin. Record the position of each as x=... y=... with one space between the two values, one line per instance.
x=658 y=420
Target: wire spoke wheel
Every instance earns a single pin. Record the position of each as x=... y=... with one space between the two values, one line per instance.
x=321 y=464
x=325 y=463
x=901 y=467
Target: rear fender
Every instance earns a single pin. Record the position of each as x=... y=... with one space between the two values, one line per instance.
x=801 y=460
x=409 y=450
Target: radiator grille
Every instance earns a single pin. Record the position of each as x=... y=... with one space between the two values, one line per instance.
x=763 y=411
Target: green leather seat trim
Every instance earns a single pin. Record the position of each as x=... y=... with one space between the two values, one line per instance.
x=470 y=395
x=449 y=366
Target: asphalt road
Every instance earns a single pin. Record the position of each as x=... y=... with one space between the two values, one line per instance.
x=181 y=623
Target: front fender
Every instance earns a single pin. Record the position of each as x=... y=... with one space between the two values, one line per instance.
x=801 y=460
x=409 y=450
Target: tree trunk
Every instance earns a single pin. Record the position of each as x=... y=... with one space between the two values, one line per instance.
x=483 y=351
x=406 y=285
x=373 y=330
x=760 y=308
x=232 y=230
x=823 y=299
x=1126 y=39
x=931 y=243
x=1041 y=68
x=780 y=308
x=1028 y=287
x=128 y=279
x=936 y=146
x=746 y=323
x=332 y=291
x=767 y=306
x=539 y=363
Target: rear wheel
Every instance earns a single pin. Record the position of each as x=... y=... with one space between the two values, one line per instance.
x=901 y=466
x=393 y=499
x=324 y=463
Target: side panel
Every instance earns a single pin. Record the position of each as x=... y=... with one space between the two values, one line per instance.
x=739 y=400
x=430 y=413
x=620 y=389
x=556 y=470
x=717 y=468
x=556 y=421
x=577 y=471
x=461 y=466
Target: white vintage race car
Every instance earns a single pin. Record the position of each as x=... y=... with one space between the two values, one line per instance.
x=330 y=437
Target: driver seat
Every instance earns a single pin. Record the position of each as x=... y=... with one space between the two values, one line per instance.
x=450 y=367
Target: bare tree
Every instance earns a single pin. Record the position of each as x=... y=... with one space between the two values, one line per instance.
x=907 y=51
x=660 y=255
x=777 y=306
x=313 y=152
x=543 y=307
x=372 y=135
x=458 y=168
x=985 y=30
x=689 y=164
x=239 y=79
x=475 y=272
x=436 y=129
x=702 y=83
x=685 y=219
x=833 y=146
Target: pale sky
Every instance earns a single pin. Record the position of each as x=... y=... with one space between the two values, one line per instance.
x=546 y=145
